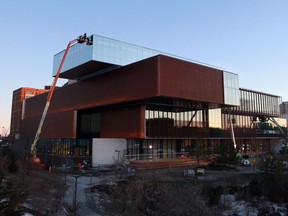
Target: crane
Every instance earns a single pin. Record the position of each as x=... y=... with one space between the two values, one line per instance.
x=81 y=39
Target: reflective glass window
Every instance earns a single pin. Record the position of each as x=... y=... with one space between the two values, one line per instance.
x=109 y=51
x=258 y=102
x=215 y=118
x=231 y=89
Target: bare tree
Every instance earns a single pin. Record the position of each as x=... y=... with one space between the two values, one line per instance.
x=151 y=195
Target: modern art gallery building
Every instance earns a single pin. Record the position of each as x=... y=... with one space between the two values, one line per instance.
x=145 y=104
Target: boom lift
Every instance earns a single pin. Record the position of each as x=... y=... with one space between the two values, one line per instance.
x=81 y=39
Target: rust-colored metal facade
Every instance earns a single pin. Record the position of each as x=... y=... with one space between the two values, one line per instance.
x=185 y=80
x=114 y=93
x=125 y=122
x=57 y=125
x=19 y=96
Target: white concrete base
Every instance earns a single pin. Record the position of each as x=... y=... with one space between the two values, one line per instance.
x=107 y=151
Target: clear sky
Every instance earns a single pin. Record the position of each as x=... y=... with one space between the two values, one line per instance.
x=247 y=37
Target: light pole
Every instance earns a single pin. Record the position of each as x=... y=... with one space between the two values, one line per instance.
x=75 y=194
x=65 y=169
x=91 y=176
x=118 y=151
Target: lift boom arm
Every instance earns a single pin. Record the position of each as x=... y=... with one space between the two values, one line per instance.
x=80 y=39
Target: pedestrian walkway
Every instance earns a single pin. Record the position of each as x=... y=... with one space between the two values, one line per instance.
x=83 y=200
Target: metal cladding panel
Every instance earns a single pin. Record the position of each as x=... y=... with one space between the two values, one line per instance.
x=181 y=79
x=130 y=83
x=59 y=125
x=156 y=76
x=34 y=106
x=29 y=128
x=133 y=82
x=123 y=123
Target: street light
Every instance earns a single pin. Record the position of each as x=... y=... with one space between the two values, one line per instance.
x=75 y=194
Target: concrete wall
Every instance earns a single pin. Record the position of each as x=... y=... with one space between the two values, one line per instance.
x=105 y=151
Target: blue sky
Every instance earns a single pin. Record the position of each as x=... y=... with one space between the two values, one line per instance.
x=247 y=37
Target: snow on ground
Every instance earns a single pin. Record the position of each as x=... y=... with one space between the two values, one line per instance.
x=242 y=208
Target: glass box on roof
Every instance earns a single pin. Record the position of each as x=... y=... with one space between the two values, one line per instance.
x=104 y=50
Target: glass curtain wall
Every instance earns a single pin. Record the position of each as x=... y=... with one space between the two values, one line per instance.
x=231 y=89
x=253 y=128
x=165 y=122
x=75 y=147
x=144 y=149
x=251 y=118
x=215 y=123
x=88 y=124
x=172 y=130
x=259 y=103
x=64 y=152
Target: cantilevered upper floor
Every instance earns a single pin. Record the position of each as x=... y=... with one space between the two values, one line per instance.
x=104 y=54
x=107 y=54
